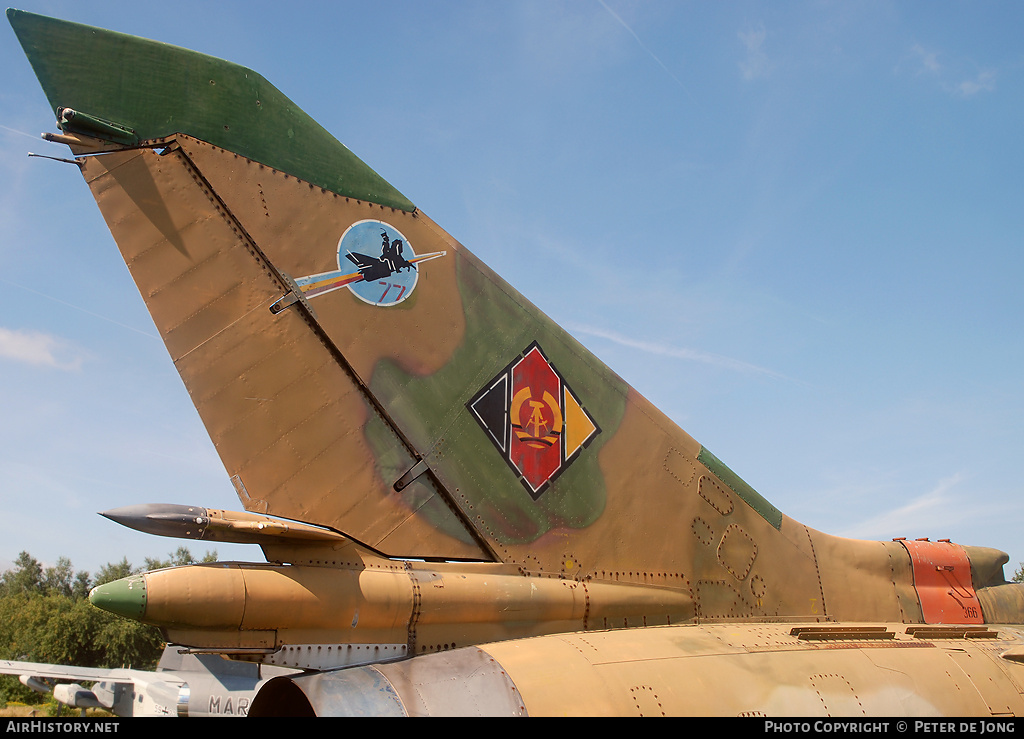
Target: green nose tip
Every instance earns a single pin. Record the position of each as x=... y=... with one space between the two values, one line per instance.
x=125 y=597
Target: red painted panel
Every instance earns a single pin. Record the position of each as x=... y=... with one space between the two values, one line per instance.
x=942 y=578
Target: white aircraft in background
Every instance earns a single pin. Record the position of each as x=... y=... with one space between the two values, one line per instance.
x=183 y=684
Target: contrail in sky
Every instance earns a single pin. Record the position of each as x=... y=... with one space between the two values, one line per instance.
x=649 y=52
x=676 y=352
x=20 y=133
x=79 y=308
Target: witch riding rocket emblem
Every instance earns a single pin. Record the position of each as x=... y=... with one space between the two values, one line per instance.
x=384 y=280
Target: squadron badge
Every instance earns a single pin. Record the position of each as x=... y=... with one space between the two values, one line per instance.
x=384 y=280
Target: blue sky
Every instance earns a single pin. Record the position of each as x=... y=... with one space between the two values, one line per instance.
x=794 y=226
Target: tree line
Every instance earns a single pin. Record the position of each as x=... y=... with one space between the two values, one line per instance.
x=45 y=616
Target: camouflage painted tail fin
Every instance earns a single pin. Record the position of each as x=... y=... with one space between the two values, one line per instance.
x=356 y=366
x=359 y=369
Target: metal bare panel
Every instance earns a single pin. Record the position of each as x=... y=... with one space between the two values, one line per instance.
x=464 y=682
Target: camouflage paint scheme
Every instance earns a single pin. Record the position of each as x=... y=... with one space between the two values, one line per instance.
x=450 y=420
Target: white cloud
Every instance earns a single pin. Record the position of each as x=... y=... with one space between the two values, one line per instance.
x=984 y=82
x=36 y=348
x=925 y=62
x=928 y=60
x=932 y=511
x=756 y=63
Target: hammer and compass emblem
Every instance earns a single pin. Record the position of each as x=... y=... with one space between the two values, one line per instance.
x=534 y=419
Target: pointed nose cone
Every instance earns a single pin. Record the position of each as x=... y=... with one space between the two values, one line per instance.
x=125 y=597
x=162 y=519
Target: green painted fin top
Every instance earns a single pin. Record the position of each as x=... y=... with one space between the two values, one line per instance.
x=166 y=89
x=754 y=499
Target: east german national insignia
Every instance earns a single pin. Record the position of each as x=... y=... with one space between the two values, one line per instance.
x=385 y=280
x=534 y=419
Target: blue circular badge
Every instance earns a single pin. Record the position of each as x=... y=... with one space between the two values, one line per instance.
x=385 y=260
